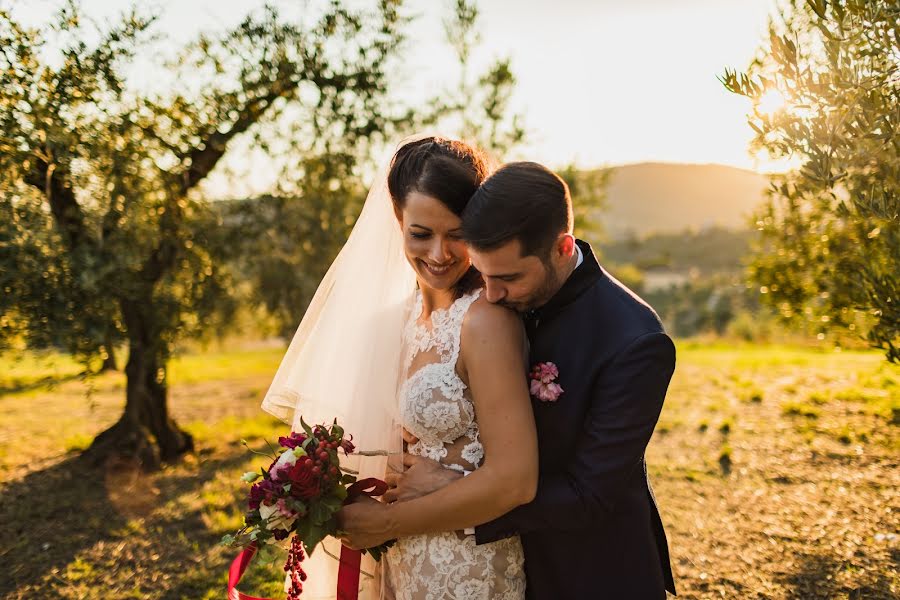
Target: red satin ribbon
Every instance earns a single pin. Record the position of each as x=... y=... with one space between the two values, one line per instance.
x=238 y=566
x=348 y=571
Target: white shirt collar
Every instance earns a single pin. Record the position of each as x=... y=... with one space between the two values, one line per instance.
x=580 y=256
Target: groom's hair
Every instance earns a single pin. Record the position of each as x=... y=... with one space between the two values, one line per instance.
x=522 y=201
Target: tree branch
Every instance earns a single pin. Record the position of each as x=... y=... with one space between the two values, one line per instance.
x=67 y=213
x=203 y=158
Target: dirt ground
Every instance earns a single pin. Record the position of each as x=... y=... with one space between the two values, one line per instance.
x=778 y=481
x=775 y=470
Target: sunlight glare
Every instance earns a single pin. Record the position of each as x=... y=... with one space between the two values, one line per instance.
x=771 y=102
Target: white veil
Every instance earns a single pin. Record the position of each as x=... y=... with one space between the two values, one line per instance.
x=344 y=361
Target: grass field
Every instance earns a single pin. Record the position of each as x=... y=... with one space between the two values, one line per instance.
x=776 y=471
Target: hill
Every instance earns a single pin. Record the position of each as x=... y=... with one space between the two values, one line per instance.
x=646 y=198
x=705 y=251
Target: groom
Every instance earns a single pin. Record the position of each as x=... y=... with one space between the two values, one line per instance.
x=593 y=529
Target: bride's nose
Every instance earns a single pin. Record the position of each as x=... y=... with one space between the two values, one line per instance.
x=440 y=252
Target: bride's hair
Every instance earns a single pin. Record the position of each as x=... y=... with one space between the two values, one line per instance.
x=449 y=171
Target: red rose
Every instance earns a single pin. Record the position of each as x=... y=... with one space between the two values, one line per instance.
x=304 y=483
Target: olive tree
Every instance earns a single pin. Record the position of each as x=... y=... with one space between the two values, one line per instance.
x=830 y=245
x=105 y=231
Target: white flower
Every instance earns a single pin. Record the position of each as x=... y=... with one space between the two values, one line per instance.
x=414 y=545
x=473 y=453
x=266 y=511
x=441 y=550
x=250 y=476
x=287 y=459
x=471 y=589
x=279 y=522
x=441 y=415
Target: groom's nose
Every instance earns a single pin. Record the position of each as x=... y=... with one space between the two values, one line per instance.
x=494 y=292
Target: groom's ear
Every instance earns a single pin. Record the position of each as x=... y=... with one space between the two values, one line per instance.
x=565 y=245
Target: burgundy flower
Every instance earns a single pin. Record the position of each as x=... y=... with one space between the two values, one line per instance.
x=304 y=483
x=292 y=441
x=347 y=445
x=266 y=491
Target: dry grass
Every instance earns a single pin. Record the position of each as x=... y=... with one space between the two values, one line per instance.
x=786 y=491
x=775 y=469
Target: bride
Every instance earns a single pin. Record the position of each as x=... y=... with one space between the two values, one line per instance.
x=383 y=348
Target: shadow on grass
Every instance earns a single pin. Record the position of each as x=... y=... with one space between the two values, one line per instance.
x=139 y=536
x=18 y=386
x=48 y=516
x=817 y=578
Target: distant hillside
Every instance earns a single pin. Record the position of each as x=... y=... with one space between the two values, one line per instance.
x=705 y=251
x=647 y=198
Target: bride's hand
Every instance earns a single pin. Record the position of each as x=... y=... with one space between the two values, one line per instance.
x=364 y=523
x=421 y=477
x=409 y=438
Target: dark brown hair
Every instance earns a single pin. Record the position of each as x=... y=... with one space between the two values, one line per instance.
x=522 y=201
x=447 y=170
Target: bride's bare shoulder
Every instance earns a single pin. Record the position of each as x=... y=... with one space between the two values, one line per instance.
x=491 y=336
x=487 y=321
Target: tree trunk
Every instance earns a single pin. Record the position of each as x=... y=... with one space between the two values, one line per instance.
x=145 y=432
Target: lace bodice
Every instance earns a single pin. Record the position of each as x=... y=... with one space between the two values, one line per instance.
x=436 y=406
x=435 y=403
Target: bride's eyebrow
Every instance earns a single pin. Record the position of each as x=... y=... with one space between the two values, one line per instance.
x=429 y=230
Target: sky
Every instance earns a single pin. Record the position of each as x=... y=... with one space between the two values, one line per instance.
x=606 y=82
x=600 y=82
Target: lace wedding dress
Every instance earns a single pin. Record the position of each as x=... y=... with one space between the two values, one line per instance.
x=436 y=406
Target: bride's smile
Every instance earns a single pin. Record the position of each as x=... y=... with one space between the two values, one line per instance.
x=437 y=270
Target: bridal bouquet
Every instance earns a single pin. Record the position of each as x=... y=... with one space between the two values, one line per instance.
x=298 y=494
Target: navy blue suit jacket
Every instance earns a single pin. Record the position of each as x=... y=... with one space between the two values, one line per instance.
x=593 y=529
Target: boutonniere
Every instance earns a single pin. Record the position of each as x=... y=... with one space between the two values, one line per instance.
x=543 y=375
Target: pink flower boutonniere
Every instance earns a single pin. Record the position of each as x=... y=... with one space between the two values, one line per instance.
x=543 y=375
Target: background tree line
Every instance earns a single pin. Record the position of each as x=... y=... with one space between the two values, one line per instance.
x=108 y=236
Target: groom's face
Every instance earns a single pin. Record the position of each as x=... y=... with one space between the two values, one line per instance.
x=518 y=282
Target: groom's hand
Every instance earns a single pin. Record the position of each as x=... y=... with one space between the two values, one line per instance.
x=364 y=523
x=421 y=477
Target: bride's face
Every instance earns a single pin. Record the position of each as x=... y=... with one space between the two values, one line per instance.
x=432 y=240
